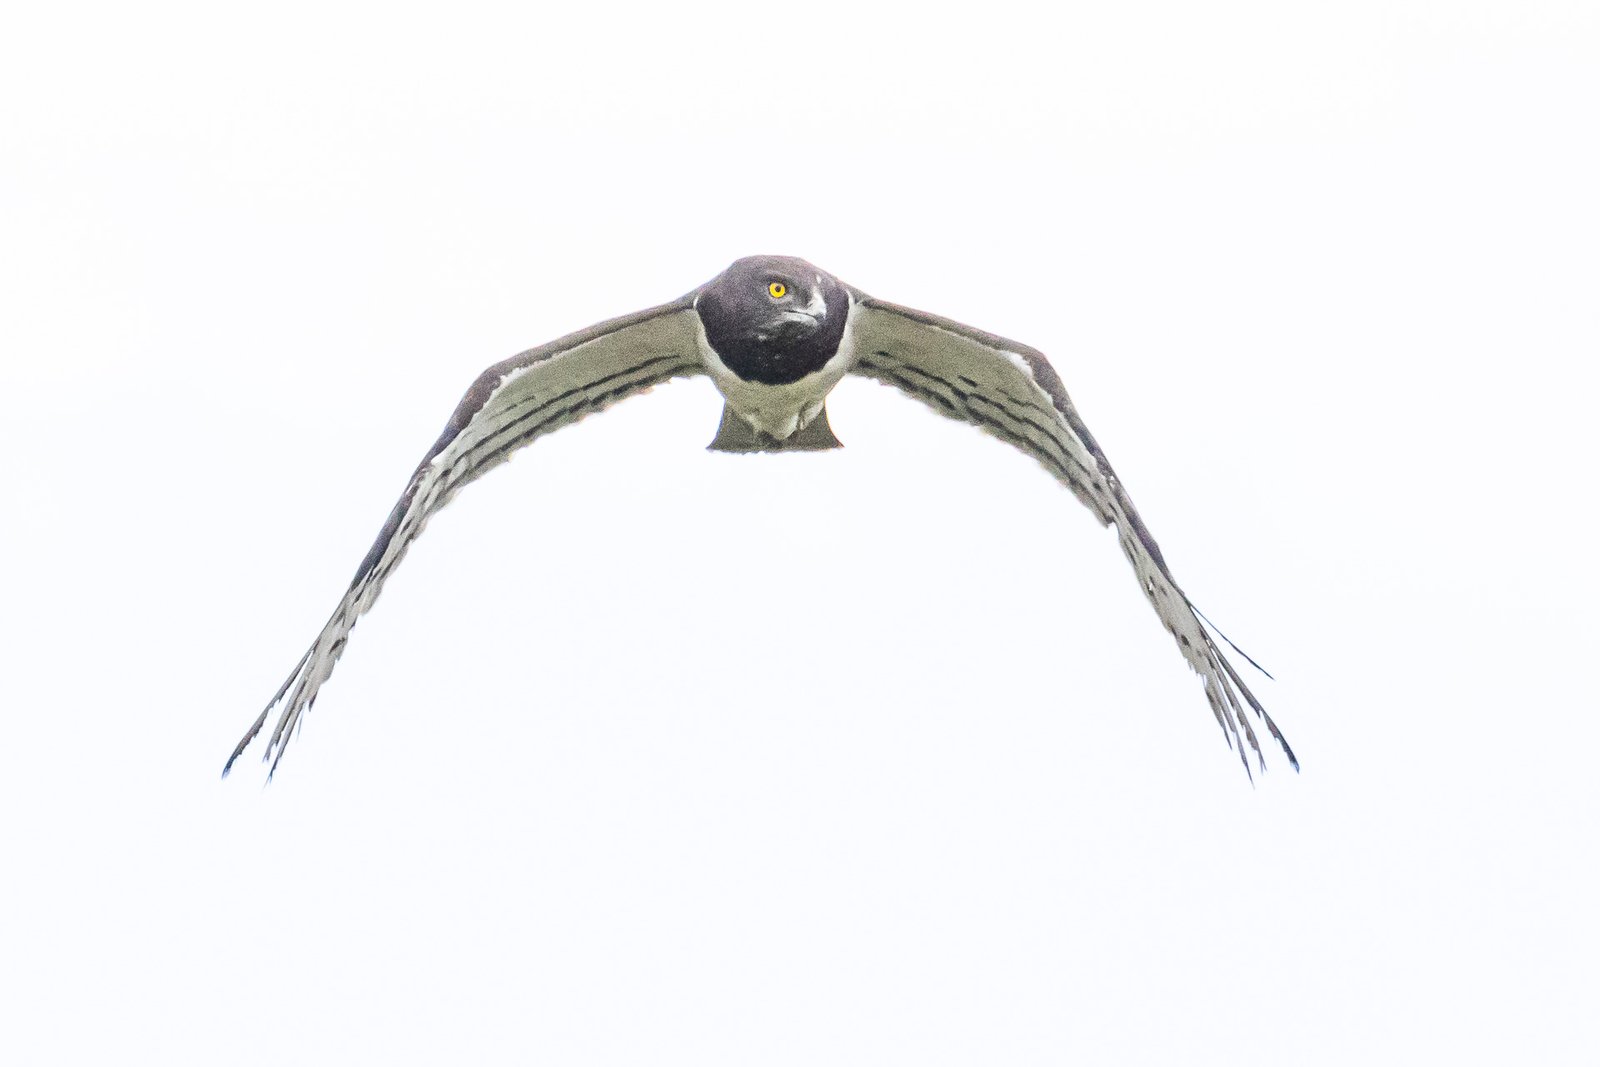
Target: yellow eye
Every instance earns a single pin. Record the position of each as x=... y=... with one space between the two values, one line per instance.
x=776 y=290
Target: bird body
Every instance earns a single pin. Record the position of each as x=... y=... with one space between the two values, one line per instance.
x=776 y=364
x=778 y=412
x=775 y=335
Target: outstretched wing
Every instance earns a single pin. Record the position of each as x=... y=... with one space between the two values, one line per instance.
x=1011 y=391
x=511 y=404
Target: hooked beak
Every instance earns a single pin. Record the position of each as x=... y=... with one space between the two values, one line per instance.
x=794 y=324
x=787 y=327
x=805 y=320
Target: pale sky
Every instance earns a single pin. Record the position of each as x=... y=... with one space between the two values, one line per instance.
x=653 y=755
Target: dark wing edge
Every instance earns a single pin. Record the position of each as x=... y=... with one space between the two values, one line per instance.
x=509 y=405
x=1011 y=391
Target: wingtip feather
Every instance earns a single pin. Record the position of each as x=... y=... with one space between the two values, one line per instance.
x=1229 y=641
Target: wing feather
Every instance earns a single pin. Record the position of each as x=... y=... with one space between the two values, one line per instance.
x=1011 y=391
x=510 y=405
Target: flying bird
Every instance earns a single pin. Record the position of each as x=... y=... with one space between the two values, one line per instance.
x=775 y=334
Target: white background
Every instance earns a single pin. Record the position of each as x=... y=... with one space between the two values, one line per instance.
x=649 y=755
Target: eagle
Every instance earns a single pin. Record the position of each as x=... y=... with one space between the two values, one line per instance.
x=775 y=335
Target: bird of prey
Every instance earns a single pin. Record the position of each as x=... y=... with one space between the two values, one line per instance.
x=775 y=334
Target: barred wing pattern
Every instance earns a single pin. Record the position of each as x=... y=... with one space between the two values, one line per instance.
x=1011 y=391
x=510 y=405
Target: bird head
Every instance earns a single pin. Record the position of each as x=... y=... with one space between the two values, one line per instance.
x=773 y=318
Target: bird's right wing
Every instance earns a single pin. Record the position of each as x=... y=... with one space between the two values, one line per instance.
x=511 y=404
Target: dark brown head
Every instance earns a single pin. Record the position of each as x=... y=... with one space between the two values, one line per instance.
x=773 y=319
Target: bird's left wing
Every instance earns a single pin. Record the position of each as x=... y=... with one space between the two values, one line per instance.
x=509 y=405
x=1011 y=391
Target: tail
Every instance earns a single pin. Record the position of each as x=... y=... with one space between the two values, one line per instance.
x=736 y=435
